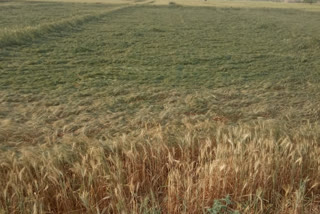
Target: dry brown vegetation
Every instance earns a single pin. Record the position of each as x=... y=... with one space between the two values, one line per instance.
x=262 y=167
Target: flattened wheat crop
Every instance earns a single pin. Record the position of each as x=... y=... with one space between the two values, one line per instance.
x=144 y=108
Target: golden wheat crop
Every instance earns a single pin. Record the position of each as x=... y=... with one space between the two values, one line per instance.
x=262 y=167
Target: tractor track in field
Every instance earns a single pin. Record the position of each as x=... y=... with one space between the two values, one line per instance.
x=27 y=34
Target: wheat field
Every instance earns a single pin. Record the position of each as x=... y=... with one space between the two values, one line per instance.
x=159 y=107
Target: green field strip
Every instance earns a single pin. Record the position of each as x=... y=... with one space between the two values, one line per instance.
x=20 y=36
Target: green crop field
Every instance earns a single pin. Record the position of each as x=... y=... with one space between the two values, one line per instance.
x=148 y=107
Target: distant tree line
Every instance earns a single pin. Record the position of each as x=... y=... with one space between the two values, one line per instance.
x=310 y=1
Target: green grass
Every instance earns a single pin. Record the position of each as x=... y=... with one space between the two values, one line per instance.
x=81 y=70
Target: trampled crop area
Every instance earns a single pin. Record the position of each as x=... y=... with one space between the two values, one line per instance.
x=153 y=108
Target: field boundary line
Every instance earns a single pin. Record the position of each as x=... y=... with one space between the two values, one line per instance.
x=23 y=35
